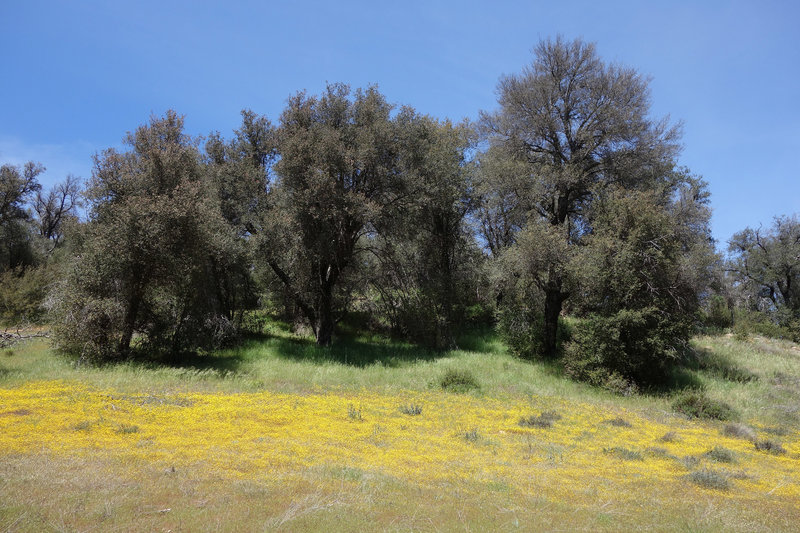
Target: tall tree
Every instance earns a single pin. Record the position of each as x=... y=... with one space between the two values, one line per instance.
x=17 y=187
x=425 y=254
x=339 y=175
x=144 y=268
x=766 y=263
x=577 y=125
x=239 y=171
x=55 y=207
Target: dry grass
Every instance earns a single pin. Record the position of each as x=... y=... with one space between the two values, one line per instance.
x=52 y=493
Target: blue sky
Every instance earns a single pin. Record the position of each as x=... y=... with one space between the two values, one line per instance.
x=77 y=75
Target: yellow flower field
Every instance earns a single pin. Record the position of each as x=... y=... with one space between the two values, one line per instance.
x=475 y=442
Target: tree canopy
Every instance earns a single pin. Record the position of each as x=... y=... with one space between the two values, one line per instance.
x=767 y=265
x=568 y=127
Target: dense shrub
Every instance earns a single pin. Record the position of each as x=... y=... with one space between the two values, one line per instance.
x=543 y=420
x=721 y=455
x=458 y=381
x=771 y=325
x=624 y=349
x=697 y=405
x=640 y=277
x=521 y=329
x=717 y=315
x=22 y=293
x=710 y=479
x=769 y=446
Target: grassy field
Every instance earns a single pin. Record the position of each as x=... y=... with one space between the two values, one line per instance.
x=279 y=435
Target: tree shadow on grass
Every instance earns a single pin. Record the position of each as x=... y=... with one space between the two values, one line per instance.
x=681 y=378
x=362 y=351
x=719 y=366
x=220 y=362
x=353 y=352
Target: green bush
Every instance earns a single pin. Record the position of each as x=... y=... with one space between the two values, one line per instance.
x=717 y=315
x=22 y=293
x=544 y=420
x=775 y=326
x=458 y=381
x=625 y=349
x=411 y=409
x=697 y=405
x=721 y=455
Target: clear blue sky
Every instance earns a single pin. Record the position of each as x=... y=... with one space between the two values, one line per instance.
x=78 y=74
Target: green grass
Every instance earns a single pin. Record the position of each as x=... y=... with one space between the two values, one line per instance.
x=773 y=398
x=280 y=360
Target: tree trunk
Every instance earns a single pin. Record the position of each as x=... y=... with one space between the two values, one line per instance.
x=552 y=309
x=129 y=323
x=325 y=321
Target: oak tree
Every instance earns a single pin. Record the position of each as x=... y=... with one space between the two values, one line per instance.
x=572 y=125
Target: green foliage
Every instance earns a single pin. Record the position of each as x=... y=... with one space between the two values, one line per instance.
x=695 y=404
x=371 y=203
x=22 y=293
x=717 y=314
x=17 y=187
x=771 y=325
x=460 y=381
x=766 y=266
x=568 y=127
x=32 y=227
x=522 y=329
x=153 y=259
x=641 y=274
x=621 y=350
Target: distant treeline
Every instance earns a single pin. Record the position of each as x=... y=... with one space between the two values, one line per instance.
x=566 y=201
